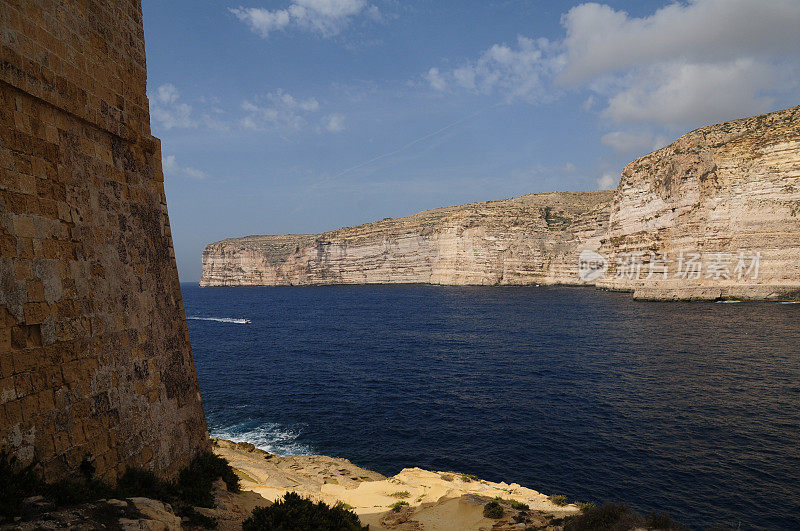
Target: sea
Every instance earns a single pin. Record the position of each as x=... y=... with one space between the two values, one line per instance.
x=687 y=408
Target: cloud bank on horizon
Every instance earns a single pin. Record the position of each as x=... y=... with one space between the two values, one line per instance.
x=703 y=61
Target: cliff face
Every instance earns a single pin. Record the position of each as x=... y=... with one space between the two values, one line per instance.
x=94 y=349
x=714 y=215
x=719 y=209
x=529 y=239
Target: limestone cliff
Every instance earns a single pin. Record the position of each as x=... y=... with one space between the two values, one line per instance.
x=719 y=209
x=714 y=215
x=529 y=239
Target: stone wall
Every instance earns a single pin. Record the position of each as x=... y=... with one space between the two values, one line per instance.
x=94 y=348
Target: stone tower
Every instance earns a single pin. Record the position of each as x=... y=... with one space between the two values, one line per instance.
x=94 y=349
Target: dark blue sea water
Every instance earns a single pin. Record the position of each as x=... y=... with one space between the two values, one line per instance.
x=691 y=408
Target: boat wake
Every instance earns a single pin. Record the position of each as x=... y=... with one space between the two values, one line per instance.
x=221 y=319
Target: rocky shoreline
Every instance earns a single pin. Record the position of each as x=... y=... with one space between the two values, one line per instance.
x=424 y=499
x=412 y=500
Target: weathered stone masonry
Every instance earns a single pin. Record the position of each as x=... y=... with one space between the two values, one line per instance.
x=94 y=348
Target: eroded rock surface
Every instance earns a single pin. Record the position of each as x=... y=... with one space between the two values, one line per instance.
x=726 y=197
x=526 y=240
x=728 y=192
x=435 y=500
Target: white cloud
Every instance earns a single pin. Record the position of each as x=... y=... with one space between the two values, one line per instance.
x=167 y=111
x=686 y=93
x=334 y=122
x=633 y=142
x=278 y=110
x=167 y=94
x=608 y=181
x=687 y=64
x=173 y=169
x=435 y=79
x=262 y=21
x=520 y=71
x=326 y=18
x=602 y=40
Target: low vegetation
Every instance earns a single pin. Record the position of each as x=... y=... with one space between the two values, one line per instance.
x=193 y=488
x=294 y=513
x=400 y=494
x=493 y=510
x=519 y=506
x=558 y=499
x=398 y=506
x=618 y=516
x=16 y=484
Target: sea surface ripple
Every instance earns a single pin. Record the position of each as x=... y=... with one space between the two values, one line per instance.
x=689 y=408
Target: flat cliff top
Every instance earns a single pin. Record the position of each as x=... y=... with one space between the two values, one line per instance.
x=557 y=207
x=274 y=249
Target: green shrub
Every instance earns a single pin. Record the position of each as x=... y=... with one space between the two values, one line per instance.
x=519 y=506
x=609 y=516
x=617 y=516
x=16 y=484
x=193 y=488
x=293 y=513
x=215 y=467
x=196 y=519
x=660 y=520
x=73 y=492
x=398 y=506
x=196 y=482
x=493 y=510
x=139 y=482
x=400 y=494
x=558 y=499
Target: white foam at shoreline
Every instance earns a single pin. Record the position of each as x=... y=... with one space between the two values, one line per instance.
x=221 y=319
x=270 y=437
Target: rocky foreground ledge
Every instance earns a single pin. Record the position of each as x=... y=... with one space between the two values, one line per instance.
x=413 y=499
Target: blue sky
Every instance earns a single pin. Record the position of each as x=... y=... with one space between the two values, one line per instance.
x=300 y=116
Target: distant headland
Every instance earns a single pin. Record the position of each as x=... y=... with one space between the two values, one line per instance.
x=714 y=215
